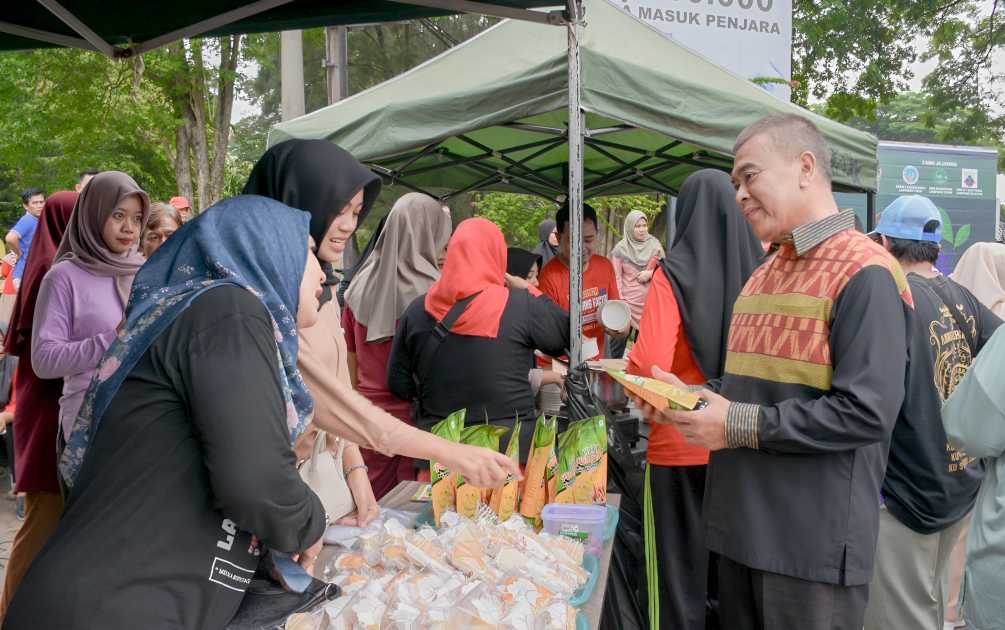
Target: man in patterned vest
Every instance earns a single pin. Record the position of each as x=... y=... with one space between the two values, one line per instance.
x=800 y=423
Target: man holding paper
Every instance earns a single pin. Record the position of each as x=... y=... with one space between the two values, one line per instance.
x=799 y=425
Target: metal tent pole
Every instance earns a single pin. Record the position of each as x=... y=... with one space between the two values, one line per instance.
x=576 y=124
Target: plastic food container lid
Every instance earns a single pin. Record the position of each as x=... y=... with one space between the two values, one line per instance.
x=569 y=511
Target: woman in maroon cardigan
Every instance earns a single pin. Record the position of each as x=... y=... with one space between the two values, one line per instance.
x=36 y=419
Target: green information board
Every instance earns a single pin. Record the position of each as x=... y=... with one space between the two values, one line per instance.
x=959 y=180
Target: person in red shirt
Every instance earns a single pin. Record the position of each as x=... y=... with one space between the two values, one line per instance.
x=683 y=330
x=599 y=281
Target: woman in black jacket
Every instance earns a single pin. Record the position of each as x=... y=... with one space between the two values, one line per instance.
x=180 y=464
x=482 y=365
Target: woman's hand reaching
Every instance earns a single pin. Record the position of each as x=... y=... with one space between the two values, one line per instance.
x=516 y=282
x=481 y=467
x=309 y=556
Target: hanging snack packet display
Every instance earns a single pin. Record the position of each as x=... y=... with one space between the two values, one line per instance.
x=582 y=463
x=469 y=496
x=440 y=478
x=660 y=395
x=535 y=490
x=504 y=499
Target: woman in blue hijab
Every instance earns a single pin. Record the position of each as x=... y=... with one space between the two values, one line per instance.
x=180 y=467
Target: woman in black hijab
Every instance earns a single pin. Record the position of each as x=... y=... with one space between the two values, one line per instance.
x=684 y=327
x=523 y=265
x=324 y=180
x=547 y=247
x=337 y=191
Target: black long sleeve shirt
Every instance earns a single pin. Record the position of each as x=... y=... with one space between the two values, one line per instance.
x=488 y=377
x=930 y=485
x=816 y=368
x=189 y=472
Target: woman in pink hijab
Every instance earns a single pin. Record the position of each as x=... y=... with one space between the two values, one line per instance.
x=83 y=297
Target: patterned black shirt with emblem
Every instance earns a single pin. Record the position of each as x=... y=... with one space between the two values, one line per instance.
x=929 y=485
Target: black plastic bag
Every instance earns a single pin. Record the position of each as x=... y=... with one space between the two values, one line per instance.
x=578 y=396
x=267 y=604
x=623 y=602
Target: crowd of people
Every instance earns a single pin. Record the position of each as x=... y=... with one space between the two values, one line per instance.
x=174 y=375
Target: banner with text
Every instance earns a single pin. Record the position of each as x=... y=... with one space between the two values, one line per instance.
x=752 y=38
x=961 y=181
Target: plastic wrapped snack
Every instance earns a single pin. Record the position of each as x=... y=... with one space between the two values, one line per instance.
x=469 y=496
x=351 y=583
x=469 y=558
x=442 y=479
x=521 y=590
x=481 y=609
x=558 y=615
x=350 y=562
x=505 y=499
x=535 y=489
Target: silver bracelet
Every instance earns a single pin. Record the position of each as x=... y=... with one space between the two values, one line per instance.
x=354 y=468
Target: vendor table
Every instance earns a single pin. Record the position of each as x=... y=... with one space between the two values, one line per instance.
x=401 y=499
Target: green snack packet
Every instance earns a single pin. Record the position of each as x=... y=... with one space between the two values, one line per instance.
x=582 y=463
x=469 y=496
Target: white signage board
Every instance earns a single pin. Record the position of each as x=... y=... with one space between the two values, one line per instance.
x=752 y=38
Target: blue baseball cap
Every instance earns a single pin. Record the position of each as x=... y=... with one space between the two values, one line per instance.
x=906 y=218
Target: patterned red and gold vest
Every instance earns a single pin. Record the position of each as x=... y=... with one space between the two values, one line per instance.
x=781 y=322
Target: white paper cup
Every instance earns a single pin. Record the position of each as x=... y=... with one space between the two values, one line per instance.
x=616 y=315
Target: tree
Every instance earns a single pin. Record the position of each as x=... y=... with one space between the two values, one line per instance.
x=963 y=88
x=63 y=111
x=376 y=53
x=856 y=55
x=201 y=100
x=164 y=118
x=519 y=215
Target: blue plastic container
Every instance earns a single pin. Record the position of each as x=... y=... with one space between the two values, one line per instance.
x=585 y=523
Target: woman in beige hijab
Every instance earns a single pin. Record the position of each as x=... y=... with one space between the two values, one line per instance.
x=401 y=267
x=982 y=270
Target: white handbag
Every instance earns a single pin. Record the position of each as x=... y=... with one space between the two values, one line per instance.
x=324 y=473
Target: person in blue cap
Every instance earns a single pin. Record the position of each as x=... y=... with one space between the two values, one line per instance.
x=930 y=487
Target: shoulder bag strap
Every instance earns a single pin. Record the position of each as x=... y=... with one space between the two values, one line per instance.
x=940 y=290
x=432 y=346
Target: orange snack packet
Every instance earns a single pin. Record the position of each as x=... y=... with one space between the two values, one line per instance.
x=542 y=454
x=442 y=479
x=504 y=499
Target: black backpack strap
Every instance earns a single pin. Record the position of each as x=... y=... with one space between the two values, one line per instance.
x=968 y=337
x=432 y=347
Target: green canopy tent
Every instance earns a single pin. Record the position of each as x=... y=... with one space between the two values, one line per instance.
x=608 y=106
x=492 y=114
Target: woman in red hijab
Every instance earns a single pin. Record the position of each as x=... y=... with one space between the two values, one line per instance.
x=37 y=414
x=482 y=363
